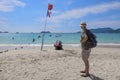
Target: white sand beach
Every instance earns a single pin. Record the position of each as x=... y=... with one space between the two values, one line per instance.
x=29 y=63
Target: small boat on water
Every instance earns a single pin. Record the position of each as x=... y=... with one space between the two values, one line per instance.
x=58 y=35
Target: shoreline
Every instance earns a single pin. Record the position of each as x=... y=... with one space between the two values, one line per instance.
x=99 y=44
x=7 y=47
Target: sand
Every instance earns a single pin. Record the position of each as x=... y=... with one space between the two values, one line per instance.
x=29 y=63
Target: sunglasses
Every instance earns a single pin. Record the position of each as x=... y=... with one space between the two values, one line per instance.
x=83 y=24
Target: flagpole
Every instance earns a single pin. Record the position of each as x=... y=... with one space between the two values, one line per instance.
x=43 y=34
x=50 y=6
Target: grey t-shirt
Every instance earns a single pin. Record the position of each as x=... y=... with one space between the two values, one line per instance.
x=83 y=34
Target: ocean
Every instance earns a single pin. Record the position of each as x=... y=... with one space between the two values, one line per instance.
x=51 y=38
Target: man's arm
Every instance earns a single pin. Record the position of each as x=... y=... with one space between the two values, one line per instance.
x=84 y=39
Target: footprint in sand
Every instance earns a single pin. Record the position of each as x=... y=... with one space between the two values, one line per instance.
x=117 y=77
x=0 y=70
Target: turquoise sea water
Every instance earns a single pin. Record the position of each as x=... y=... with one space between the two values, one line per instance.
x=66 y=38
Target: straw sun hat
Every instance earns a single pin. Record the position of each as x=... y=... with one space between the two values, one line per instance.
x=83 y=23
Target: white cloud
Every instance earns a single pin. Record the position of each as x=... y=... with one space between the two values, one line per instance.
x=69 y=2
x=116 y=16
x=55 y=12
x=78 y=13
x=106 y=23
x=81 y=12
x=9 y=5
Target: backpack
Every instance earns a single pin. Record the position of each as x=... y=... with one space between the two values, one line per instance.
x=91 y=42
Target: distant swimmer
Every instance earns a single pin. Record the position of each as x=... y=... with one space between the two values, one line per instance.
x=33 y=40
x=50 y=35
x=39 y=36
x=58 y=35
x=13 y=38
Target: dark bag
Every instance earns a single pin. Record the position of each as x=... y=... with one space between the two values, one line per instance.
x=91 y=42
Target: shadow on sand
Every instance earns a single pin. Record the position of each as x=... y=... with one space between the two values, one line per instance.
x=93 y=77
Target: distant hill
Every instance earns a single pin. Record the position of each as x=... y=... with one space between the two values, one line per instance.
x=4 y=32
x=117 y=30
x=45 y=32
x=104 y=30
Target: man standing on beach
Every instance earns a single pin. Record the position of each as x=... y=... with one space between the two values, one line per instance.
x=85 y=51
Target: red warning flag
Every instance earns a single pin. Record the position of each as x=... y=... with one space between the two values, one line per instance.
x=50 y=6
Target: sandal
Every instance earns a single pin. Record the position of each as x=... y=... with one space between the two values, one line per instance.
x=82 y=71
x=85 y=75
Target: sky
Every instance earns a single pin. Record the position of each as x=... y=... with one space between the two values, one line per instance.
x=66 y=15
